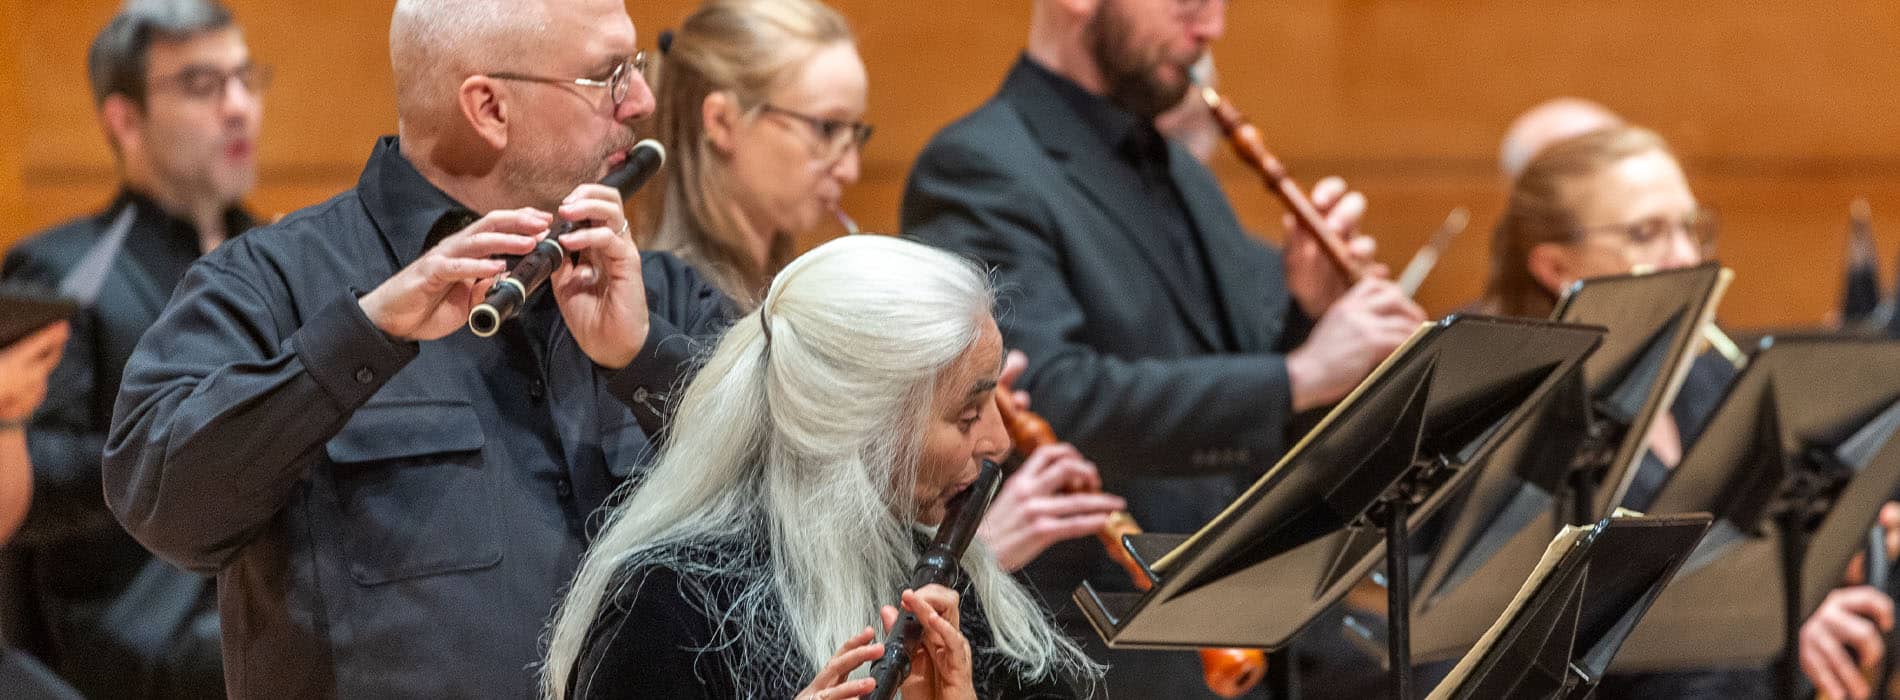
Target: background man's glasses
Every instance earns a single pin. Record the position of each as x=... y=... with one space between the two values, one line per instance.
x=209 y=83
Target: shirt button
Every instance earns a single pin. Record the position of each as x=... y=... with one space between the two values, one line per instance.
x=563 y=488
x=538 y=390
x=640 y=395
x=364 y=376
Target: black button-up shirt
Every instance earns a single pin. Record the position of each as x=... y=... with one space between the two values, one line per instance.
x=387 y=519
x=1144 y=151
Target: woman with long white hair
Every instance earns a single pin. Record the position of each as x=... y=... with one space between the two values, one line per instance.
x=805 y=463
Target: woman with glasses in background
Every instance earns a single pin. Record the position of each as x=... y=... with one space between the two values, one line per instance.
x=1605 y=203
x=1612 y=202
x=761 y=104
x=1609 y=202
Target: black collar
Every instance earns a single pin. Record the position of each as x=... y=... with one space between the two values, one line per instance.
x=410 y=212
x=166 y=229
x=1080 y=114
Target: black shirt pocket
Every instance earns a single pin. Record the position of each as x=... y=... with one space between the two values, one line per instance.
x=413 y=495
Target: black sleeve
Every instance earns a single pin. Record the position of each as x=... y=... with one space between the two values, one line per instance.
x=67 y=432
x=186 y=469
x=1176 y=416
x=685 y=316
x=995 y=676
x=646 y=642
x=1004 y=683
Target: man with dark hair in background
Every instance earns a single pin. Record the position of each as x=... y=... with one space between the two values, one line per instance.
x=178 y=97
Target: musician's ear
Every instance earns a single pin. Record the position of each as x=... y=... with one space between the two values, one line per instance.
x=1080 y=8
x=1553 y=266
x=719 y=117
x=122 y=121
x=481 y=101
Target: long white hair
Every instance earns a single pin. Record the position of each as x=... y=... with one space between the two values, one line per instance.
x=809 y=434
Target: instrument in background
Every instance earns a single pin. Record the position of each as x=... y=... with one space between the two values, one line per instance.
x=850 y=225
x=505 y=298
x=1709 y=335
x=1252 y=149
x=1722 y=345
x=1427 y=257
x=940 y=564
x=1861 y=305
x=1228 y=672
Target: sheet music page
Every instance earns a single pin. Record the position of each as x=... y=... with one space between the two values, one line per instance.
x=1553 y=554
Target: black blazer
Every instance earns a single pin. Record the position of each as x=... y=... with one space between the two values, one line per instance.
x=1120 y=363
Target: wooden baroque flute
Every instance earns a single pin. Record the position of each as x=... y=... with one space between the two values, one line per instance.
x=1252 y=150
x=941 y=564
x=1229 y=673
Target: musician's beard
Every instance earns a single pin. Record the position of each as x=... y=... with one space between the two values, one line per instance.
x=546 y=172
x=1130 y=72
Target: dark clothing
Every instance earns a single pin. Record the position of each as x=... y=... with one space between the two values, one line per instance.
x=25 y=679
x=1726 y=684
x=99 y=608
x=1702 y=391
x=660 y=636
x=386 y=518
x=1155 y=327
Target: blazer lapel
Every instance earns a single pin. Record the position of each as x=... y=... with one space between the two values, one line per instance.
x=1244 y=290
x=1086 y=162
x=123 y=270
x=139 y=283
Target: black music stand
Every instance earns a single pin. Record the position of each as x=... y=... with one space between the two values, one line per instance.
x=1654 y=321
x=25 y=308
x=1571 y=616
x=1794 y=465
x=1378 y=464
x=1540 y=478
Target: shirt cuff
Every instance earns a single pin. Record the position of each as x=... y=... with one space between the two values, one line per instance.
x=644 y=383
x=347 y=354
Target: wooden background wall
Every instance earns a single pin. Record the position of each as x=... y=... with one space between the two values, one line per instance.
x=1782 y=111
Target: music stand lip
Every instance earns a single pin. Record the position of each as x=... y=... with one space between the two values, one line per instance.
x=1518 y=348
x=1702 y=286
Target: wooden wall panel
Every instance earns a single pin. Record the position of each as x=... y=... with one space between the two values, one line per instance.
x=1782 y=111
x=13 y=124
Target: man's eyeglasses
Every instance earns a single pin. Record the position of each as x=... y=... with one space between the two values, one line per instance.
x=209 y=83
x=618 y=82
x=1699 y=227
x=835 y=136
